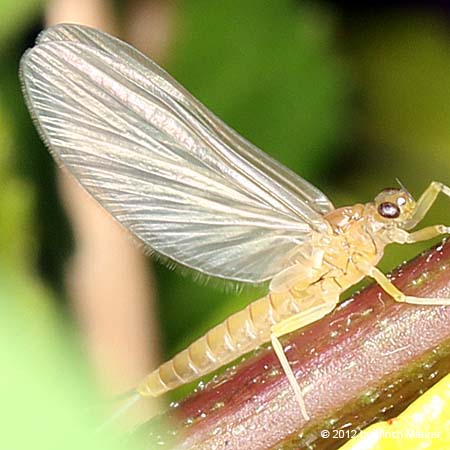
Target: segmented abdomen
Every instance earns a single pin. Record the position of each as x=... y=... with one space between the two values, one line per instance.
x=239 y=334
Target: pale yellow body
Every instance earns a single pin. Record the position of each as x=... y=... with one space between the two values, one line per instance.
x=313 y=281
x=322 y=268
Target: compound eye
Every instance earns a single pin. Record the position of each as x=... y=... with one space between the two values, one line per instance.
x=388 y=210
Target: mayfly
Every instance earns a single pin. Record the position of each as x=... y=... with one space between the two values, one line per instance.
x=198 y=194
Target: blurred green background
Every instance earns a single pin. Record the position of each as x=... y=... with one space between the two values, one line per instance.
x=349 y=97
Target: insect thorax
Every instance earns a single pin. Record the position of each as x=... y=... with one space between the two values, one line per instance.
x=353 y=233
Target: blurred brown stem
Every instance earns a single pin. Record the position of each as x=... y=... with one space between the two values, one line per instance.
x=364 y=362
x=111 y=288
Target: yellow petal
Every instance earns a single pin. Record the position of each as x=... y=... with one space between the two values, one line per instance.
x=425 y=424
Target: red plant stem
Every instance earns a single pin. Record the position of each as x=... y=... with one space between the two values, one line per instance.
x=346 y=363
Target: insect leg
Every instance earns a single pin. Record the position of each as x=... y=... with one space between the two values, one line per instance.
x=403 y=237
x=426 y=200
x=288 y=325
x=301 y=274
x=375 y=273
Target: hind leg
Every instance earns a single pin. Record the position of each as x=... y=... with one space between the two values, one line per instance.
x=289 y=325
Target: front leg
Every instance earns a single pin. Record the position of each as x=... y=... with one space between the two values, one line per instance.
x=289 y=325
x=400 y=236
x=425 y=202
x=371 y=271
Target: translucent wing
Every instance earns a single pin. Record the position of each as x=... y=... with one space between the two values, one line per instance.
x=94 y=38
x=162 y=164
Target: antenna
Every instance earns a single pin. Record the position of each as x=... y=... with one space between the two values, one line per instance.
x=403 y=187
